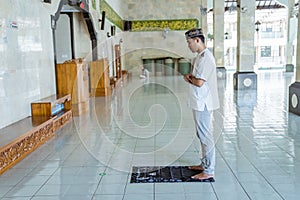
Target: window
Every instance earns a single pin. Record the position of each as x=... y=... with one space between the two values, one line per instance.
x=266 y=27
x=269 y=28
x=279 y=50
x=265 y=51
x=277 y=26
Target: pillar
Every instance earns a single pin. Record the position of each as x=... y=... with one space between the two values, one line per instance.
x=245 y=77
x=218 y=42
x=294 y=90
x=289 y=67
x=203 y=17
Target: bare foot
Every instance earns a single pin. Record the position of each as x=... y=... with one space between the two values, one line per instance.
x=202 y=176
x=198 y=168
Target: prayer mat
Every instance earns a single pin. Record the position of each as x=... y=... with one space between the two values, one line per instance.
x=166 y=174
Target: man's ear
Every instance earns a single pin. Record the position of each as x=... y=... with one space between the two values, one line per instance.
x=197 y=39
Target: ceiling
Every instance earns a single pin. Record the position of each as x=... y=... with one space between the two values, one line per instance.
x=260 y=4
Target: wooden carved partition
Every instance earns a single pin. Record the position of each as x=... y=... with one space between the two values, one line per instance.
x=25 y=144
x=21 y=146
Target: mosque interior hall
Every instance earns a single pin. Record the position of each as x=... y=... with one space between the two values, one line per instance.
x=94 y=103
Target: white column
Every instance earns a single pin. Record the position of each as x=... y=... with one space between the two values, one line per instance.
x=289 y=44
x=218 y=23
x=298 y=51
x=203 y=16
x=294 y=90
x=245 y=78
x=246 y=32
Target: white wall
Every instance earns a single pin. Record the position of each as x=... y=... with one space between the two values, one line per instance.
x=26 y=64
x=63 y=39
x=82 y=41
x=153 y=44
x=106 y=46
x=157 y=9
x=27 y=70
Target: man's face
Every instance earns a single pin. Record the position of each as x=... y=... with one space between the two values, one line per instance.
x=192 y=44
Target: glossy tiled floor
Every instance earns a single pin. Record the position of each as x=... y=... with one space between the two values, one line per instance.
x=257 y=141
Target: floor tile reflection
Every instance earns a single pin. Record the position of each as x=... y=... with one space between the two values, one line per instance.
x=149 y=124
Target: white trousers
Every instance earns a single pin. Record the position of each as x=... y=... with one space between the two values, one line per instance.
x=202 y=121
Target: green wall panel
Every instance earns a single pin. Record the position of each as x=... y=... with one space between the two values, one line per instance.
x=156 y=25
x=94 y=4
x=111 y=14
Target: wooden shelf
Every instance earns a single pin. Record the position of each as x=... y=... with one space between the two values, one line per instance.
x=99 y=76
x=72 y=78
x=47 y=108
x=44 y=107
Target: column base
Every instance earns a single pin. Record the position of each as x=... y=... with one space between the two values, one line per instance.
x=289 y=68
x=221 y=72
x=244 y=80
x=294 y=98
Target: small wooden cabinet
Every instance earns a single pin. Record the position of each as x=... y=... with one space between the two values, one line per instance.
x=56 y=107
x=51 y=105
x=99 y=77
x=72 y=78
